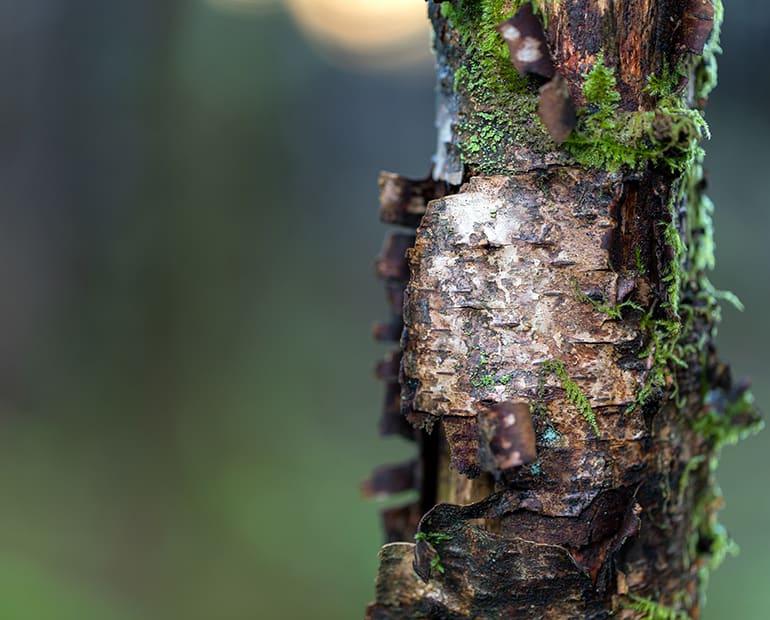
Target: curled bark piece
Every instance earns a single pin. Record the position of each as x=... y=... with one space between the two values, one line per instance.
x=392 y=421
x=387 y=368
x=403 y=201
x=400 y=523
x=526 y=42
x=392 y=265
x=388 y=480
x=697 y=24
x=508 y=433
x=388 y=331
x=556 y=110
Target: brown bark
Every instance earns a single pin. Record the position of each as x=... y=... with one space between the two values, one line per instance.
x=557 y=367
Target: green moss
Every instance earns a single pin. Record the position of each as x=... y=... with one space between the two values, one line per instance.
x=708 y=541
x=640 y=268
x=653 y=610
x=600 y=87
x=725 y=423
x=726 y=419
x=663 y=336
x=432 y=537
x=700 y=229
x=484 y=377
x=606 y=137
x=504 y=105
x=667 y=325
x=674 y=275
x=690 y=467
x=435 y=564
x=574 y=394
x=613 y=312
x=535 y=469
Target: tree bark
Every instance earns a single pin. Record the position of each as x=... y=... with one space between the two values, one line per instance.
x=557 y=366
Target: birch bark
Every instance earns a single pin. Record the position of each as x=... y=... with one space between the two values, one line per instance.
x=556 y=362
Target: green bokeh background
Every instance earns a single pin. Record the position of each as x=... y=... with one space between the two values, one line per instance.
x=187 y=228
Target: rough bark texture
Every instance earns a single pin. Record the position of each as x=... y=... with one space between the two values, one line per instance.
x=557 y=366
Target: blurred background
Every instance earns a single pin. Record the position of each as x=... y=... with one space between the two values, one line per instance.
x=188 y=219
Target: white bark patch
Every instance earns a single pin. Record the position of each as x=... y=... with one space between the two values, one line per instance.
x=529 y=50
x=510 y=32
x=445 y=168
x=492 y=296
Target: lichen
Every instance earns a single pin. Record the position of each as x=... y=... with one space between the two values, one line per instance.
x=550 y=437
x=574 y=394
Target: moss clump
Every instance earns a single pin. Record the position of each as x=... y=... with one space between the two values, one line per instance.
x=606 y=137
x=503 y=108
x=726 y=419
x=574 y=394
x=432 y=537
x=708 y=543
x=653 y=610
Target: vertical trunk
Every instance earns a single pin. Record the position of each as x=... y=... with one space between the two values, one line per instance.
x=557 y=366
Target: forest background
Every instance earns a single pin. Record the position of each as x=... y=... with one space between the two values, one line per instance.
x=187 y=229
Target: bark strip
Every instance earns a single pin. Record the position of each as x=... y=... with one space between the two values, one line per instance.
x=557 y=361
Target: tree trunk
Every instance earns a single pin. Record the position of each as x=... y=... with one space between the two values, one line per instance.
x=557 y=368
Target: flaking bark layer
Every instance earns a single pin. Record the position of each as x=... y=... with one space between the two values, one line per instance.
x=576 y=291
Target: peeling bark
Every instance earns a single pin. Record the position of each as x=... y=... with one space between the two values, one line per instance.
x=556 y=364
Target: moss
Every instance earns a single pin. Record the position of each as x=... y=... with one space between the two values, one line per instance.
x=693 y=464
x=727 y=418
x=667 y=325
x=613 y=312
x=640 y=268
x=600 y=87
x=674 y=275
x=503 y=112
x=432 y=537
x=535 y=469
x=653 y=610
x=574 y=394
x=724 y=422
x=435 y=564
x=708 y=543
x=606 y=137
x=663 y=336
x=484 y=377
